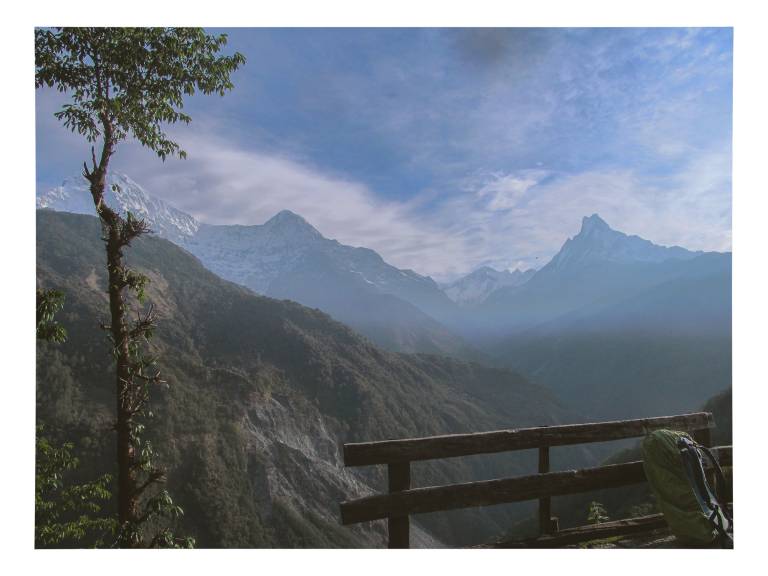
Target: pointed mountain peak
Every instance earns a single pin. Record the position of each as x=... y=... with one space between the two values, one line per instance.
x=593 y=223
x=598 y=242
x=286 y=216
x=290 y=223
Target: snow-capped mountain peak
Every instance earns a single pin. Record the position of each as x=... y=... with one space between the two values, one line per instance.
x=476 y=286
x=124 y=195
x=252 y=255
x=290 y=225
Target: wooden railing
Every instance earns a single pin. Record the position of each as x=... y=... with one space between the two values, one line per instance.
x=402 y=500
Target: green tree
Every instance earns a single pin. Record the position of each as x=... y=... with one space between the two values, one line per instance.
x=48 y=303
x=597 y=514
x=130 y=83
x=64 y=512
x=67 y=512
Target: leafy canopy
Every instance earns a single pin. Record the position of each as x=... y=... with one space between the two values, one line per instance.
x=67 y=512
x=48 y=303
x=131 y=81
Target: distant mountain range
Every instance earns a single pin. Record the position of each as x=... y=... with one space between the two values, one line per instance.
x=595 y=270
x=287 y=258
x=615 y=324
x=476 y=286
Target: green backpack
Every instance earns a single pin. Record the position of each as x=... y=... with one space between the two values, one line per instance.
x=674 y=467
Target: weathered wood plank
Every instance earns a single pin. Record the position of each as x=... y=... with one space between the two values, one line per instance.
x=545 y=504
x=414 y=449
x=586 y=533
x=489 y=492
x=399 y=527
x=501 y=491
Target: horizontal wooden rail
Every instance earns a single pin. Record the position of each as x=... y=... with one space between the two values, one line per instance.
x=501 y=491
x=490 y=492
x=410 y=450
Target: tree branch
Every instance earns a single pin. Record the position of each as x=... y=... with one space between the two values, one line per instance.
x=156 y=476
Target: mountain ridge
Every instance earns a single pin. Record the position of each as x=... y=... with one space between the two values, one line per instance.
x=596 y=268
x=286 y=257
x=267 y=258
x=475 y=287
x=122 y=194
x=597 y=241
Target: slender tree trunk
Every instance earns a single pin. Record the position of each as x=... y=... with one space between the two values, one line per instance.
x=127 y=484
x=127 y=477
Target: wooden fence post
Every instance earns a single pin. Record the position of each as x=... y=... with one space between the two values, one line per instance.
x=545 y=504
x=398 y=527
x=402 y=501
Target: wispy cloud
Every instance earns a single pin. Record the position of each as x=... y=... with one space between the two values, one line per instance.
x=445 y=150
x=506 y=220
x=506 y=191
x=223 y=184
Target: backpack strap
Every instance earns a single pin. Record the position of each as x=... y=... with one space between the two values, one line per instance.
x=718 y=472
x=726 y=537
x=691 y=453
x=726 y=540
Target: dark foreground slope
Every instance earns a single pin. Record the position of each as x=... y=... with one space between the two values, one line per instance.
x=261 y=394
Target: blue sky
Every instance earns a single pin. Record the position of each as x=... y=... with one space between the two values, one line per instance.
x=445 y=150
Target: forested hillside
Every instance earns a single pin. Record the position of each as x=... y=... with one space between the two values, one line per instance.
x=260 y=395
